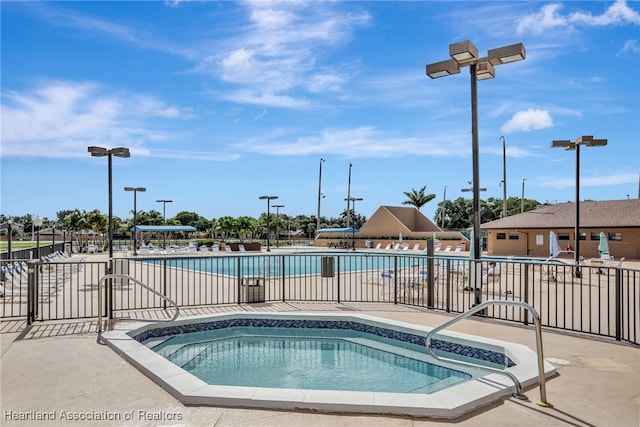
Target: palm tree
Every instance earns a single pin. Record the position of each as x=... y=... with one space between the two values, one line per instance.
x=418 y=198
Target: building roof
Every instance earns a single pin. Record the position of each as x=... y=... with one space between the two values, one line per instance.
x=393 y=220
x=593 y=214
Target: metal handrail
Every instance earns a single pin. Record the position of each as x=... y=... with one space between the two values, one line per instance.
x=518 y=393
x=126 y=276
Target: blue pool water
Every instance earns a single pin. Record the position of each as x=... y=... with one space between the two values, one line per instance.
x=287 y=265
x=312 y=360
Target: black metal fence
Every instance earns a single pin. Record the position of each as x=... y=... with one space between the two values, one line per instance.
x=600 y=300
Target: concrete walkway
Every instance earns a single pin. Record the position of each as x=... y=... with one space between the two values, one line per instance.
x=60 y=372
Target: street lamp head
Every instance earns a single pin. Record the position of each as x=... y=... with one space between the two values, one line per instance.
x=268 y=197
x=590 y=142
x=463 y=52
x=443 y=69
x=566 y=144
x=37 y=221
x=135 y=189
x=278 y=206
x=164 y=201
x=102 y=152
x=121 y=152
x=485 y=71
x=506 y=54
x=97 y=151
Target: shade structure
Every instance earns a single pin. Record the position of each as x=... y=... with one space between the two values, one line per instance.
x=338 y=230
x=554 y=246
x=603 y=246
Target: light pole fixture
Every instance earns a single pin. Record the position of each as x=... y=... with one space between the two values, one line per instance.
x=278 y=223
x=109 y=153
x=268 y=199
x=353 y=228
x=522 y=198
x=37 y=222
x=348 y=199
x=164 y=218
x=319 y=195
x=135 y=211
x=504 y=177
x=466 y=54
x=570 y=145
x=444 y=203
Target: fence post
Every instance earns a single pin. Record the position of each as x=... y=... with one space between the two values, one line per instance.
x=282 y=278
x=32 y=291
x=430 y=274
x=526 y=291
x=618 y=304
x=338 y=281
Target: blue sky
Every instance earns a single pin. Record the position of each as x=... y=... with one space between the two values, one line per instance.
x=222 y=102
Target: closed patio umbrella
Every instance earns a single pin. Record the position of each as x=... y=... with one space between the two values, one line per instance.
x=603 y=246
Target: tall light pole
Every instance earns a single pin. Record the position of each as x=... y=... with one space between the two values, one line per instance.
x=319 y=195
x=135 y=211
x=278 y=223
x=353 y=226
x=164 y=218
x=570 y=145
x=348 y=199
x=466 y=54
x=268 y=199
x=444 y=204
x=109 y=153
x=522 y=196
x=504 y=177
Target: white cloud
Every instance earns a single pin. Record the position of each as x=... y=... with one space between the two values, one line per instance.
x=604 y=180
x=62 y=118
x=360 y=142
x=549 y=17
x=281 y=50
x=525 y=121
x=629 y=46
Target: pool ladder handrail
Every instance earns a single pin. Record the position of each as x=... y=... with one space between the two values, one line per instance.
x=126 y=276
x=538 y=328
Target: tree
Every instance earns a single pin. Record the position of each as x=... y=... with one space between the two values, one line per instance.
x=418 y=198
x=187 y=218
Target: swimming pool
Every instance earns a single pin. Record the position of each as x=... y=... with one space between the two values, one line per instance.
x=396 y=339
x=288 y=265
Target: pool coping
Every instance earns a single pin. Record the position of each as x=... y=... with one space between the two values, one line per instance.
x=448 y=403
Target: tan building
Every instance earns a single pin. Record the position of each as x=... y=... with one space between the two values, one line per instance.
x=395 y=224
x=527 y=234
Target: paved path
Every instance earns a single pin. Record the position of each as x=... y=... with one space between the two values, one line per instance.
x=59 y=370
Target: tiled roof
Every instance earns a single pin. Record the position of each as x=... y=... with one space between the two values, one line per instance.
x=605 y=213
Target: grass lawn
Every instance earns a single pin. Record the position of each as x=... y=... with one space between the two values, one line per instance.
x=22 y=244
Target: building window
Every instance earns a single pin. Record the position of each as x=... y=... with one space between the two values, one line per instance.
x=563 y=236
x=514 y=236
x=583 y=236
x=501 y=236
x=595 y=236
x=615 y=236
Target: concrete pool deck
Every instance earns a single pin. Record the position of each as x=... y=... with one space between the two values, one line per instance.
x=58 y=371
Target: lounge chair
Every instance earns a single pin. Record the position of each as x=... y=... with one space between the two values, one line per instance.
x=227 y=248
x=458 y=248
x=447 y=249
x=386 y=248
x=416 y=247
x=378 y=246
x=203 y=248
x=436 y=247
